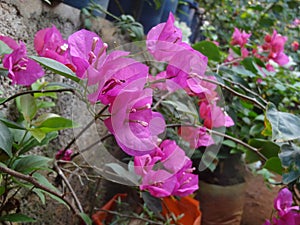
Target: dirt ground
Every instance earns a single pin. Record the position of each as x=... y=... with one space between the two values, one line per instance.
x=258 y=200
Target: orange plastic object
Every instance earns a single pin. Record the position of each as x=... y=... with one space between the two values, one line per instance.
x=185 y=205
x=99 y=216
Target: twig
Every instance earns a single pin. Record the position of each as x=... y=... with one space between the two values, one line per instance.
x=92 y=145
x=132 y=217
x=60 y=173
x=83 y=130
x=246 y=89
x=250 y=99
x=255 y=150
x=36 y=184
x=37 y=91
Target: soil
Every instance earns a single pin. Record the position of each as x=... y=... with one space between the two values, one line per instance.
x=258 y=200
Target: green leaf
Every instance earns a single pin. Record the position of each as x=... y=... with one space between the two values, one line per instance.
x=44 y=104
x=37 y=133
x=27 y=106
x=256 y=129
x=29 y=163
x=52 y=122
x=2 y=190
x=17 y=217
x=268 y=148
x=56 y=67
x=4 y=49
x=86 y=219
x=208 y=49
x=123 y=173
x=12 y=124
x=229 y=143
x=274 y=164
x=40 y=194
x=31 y=143
x=285 y=126
x=6 y=139
x=42 y=180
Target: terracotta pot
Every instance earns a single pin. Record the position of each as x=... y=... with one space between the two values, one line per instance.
x=221 y=205
x=187 y=206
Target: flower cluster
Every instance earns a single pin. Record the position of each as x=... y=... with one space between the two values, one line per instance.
x=124 y=85
x=286 y=212
x=166 y=171
x=271 y=51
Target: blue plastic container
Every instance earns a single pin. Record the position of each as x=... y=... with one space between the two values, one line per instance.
x=150 y=15
x=185 y=11
x=170 y=6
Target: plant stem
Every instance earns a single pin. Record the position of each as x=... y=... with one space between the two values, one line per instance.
x=83 y=130
x=245 y=97
x=36 y=91
x=62 y=175
x=36 y=184
x=251 y=148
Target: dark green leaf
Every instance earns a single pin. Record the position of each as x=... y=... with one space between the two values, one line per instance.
x=16 y=217
x=290 y=159
x=268 y=148
x=274 y=164
x=208 y=49
x=285 y=126
x=29 y=163
x=56 y=67
x=42 y=180
x=12 y=124
x=31 y=143
x=6 y=139
x=256 y=129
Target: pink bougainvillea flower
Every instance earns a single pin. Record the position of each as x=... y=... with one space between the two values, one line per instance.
x=164 y=40
x=166 y=171
x=275 y=46
x=132 y=122
x=21 y=69
x=49 y=43
x=9 y=41
x=180 y=69
x=196 y=136
x=86 y=49
x=214 y=116
x=239 y=37
x=284 y=201
x=114 y=75
x=286 y=213
x=64 y=155
x=187 y=182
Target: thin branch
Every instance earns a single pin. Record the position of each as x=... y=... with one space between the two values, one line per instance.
x=246 y=89
x=36 y=184
x=62 y=175
x=251 y=148
x=37 y=91
x=92 y=145
x=245 y=97
x=255 y=150
x=83 y=130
